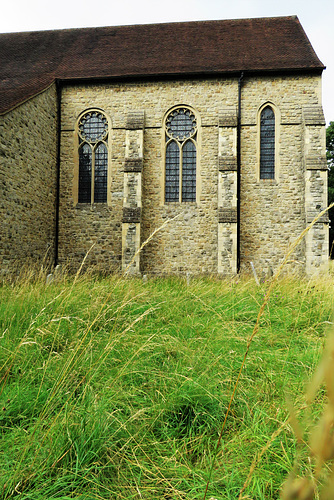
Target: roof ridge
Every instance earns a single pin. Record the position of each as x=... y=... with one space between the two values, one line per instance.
x=204 y=48
x=167 y=23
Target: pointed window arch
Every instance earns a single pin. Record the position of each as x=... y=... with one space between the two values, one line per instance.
x=93 y=157
x=267 y=143
x=180 y=155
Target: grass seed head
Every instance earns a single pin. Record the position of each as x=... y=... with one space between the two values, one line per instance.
x=322 y=438
x=300 y=488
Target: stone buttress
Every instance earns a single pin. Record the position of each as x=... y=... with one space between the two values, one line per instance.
x=227 y=192
x=315 y=188
x=132 y=201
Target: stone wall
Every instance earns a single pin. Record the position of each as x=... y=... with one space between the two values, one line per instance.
x=194 y=239
x=90 y=232
x=273 y=211
x=28 y=152
x=189 y=242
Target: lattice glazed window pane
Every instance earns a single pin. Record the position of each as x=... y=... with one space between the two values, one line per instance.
x=93 y=126
x=101 y=174
x=172 y=181
x=85 y=173
x=189 y=171
x=267 y=144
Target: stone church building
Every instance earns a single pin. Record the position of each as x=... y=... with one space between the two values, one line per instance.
x=211 y=131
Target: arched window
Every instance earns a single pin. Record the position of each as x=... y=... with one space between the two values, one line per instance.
x=180 y=160
x=93 y=157
x=267 y=143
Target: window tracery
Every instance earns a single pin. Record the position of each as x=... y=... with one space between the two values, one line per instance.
x=93 y=157
x=180 y=155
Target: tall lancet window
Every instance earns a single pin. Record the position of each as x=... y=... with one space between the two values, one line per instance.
x=267 y=143
x=93 y=157
x=181 y=155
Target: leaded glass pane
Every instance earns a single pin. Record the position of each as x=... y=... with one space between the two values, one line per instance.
x=93 y=126
x=189 y=171
x=181 y=124
x=101 y=174
x=172 y=181
x=85 y=173
x=267 y=144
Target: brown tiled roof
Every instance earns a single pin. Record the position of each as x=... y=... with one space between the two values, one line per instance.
x=30 y=61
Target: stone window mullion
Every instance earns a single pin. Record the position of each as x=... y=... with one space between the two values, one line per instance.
x=93 y=175
x=181 y=172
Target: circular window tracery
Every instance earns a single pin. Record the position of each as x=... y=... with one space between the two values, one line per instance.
x=93 y=126
x=181 y=124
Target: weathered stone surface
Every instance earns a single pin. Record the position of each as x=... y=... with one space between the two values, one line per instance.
x=131 y=215
x=313 y=115
x=272 y=212
x=227 y=256
x=135 y=120
x=133 y=165
x=310 y=216
x=316 y=239
x=227 y=215
x=227 y=193
x=316 y=163
x=193 y=237
x=28 y=179
x=132 y=203
x=227 y=163
x=228 y=116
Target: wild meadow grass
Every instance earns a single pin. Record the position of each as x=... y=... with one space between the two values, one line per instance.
x=117 y=388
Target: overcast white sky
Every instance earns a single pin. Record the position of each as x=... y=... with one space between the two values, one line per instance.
x=316 y=17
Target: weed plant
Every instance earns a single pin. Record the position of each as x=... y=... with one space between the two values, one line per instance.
x=117 y=388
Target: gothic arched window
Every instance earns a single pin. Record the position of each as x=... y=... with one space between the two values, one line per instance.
x=93 y=157
x=267 y=143
x=181 y=153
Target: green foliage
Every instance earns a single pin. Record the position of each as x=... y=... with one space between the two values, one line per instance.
x=118 y=389
x=330 y=163
x=330 y=144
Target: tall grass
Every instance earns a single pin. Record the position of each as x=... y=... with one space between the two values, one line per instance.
x=115 y=388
